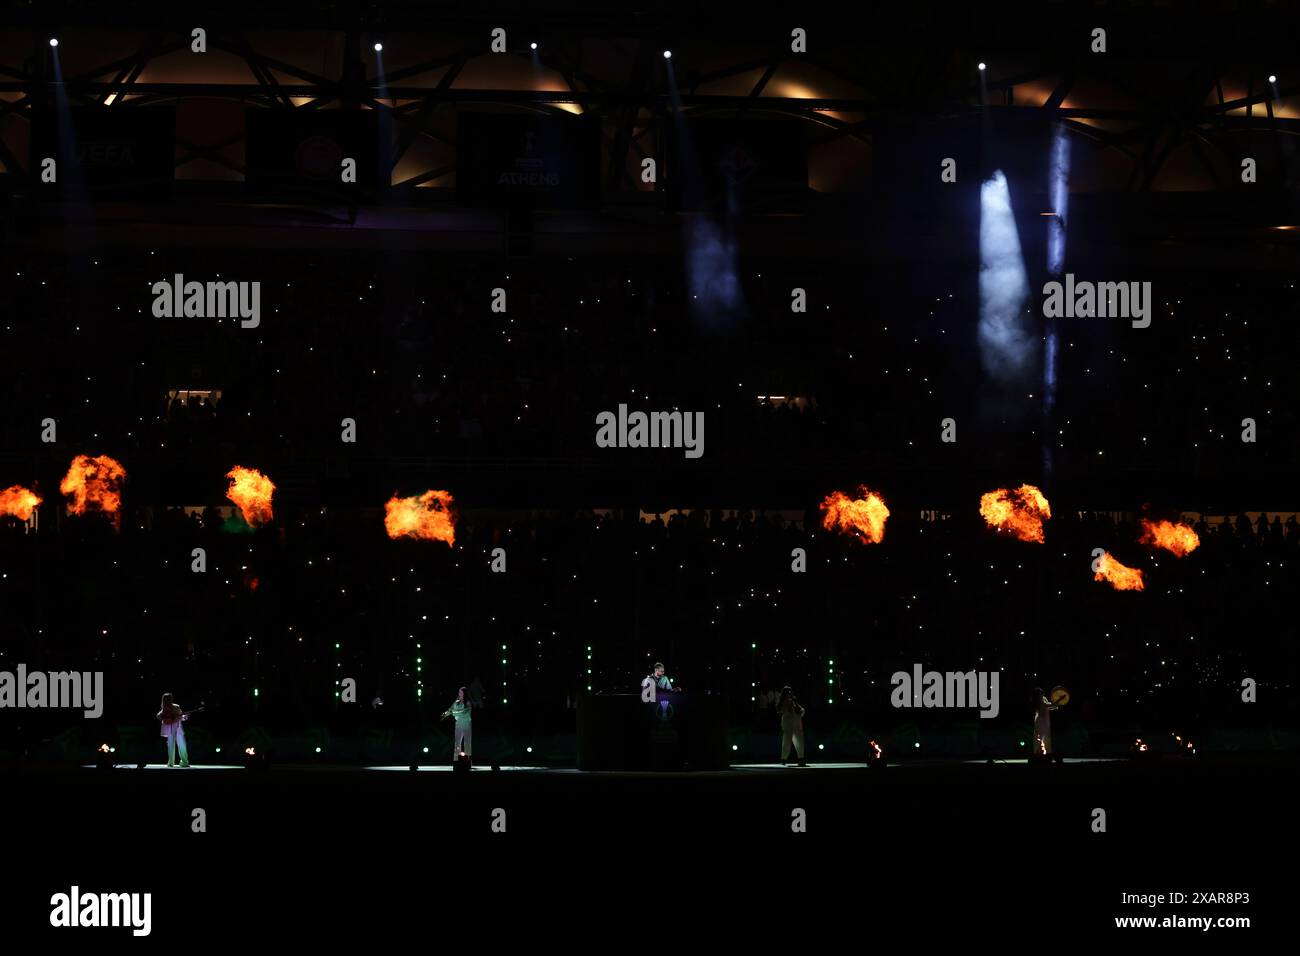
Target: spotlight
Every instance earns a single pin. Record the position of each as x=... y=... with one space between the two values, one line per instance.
x=54 y=41
x=982 y=67
x=379 y=48
x=532 y=46
x=668 y=54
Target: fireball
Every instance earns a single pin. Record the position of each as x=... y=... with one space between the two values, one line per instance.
x=251 y=491
x=1179 y=539
x=94 y=484
x=1019 y=512
x=426 y=517
x=864 y=516
x=19 y=502
x=1121 y=577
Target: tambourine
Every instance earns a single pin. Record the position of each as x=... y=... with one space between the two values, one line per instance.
x=1060 y=696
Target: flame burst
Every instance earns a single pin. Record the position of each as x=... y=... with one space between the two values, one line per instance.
x=426 y=517
x=863 y=517
x=1179 y=539
x=94 y=484
x=19 y=502
x=1019 y=512
x=251 y=491
x=1121 y=577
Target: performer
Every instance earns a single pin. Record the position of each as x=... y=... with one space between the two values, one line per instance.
x=660 y=680
x=173 y=718
x=1042 y=723
x=460 y=736
x=791 y=712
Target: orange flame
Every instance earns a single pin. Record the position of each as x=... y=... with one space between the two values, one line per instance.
x=863 y=517
x=94 y=484
x=251 y=491
x=427 y=517
x=19 y=502
x=1179 y=539
x=1121 y=577
x=1019 y=512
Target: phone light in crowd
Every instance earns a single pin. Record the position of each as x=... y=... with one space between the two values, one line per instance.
x=250 y=751
x=821 y=746
x=668 y=54
x=532 y=46
x=379 y=48
x=735 y=747
x=982 y=67
x=1272 y=78
x=54 y=41
x=426 y=749
x=105 y=748
x=917 y=745
x=318 y=750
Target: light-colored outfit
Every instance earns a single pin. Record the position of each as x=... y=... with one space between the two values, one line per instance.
x=653 y=685
x=1043 y=727
x=791 y=731
x=461 y=734
x=173 y=729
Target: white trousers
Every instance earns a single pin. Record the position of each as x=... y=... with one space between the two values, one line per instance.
x=788 y=737
x=175 y=735
x=460 y=740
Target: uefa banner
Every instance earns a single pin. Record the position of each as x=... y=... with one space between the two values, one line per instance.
x=336 y=155
x=539 y=162
x=103 y=152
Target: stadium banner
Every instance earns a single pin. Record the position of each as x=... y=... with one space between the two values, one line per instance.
x=127 y=151
x=542 y=162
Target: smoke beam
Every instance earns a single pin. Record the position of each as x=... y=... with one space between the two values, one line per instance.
x=1006 y=346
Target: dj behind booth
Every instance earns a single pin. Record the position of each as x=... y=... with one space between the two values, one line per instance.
x=659 y=728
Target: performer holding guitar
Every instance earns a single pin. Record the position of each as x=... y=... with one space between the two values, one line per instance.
x=172 y=718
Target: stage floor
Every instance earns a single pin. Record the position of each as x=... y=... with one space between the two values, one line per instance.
x=511 y=768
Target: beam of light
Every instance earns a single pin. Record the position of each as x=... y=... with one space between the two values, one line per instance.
x=1006 y=347
x=1059 y=197
x=712 y=271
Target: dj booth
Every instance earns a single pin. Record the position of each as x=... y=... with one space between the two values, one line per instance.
x=676 y=731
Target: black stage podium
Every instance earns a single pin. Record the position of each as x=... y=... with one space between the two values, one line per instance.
x=676 y=732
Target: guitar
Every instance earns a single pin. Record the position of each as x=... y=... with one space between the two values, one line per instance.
x=185 y=713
